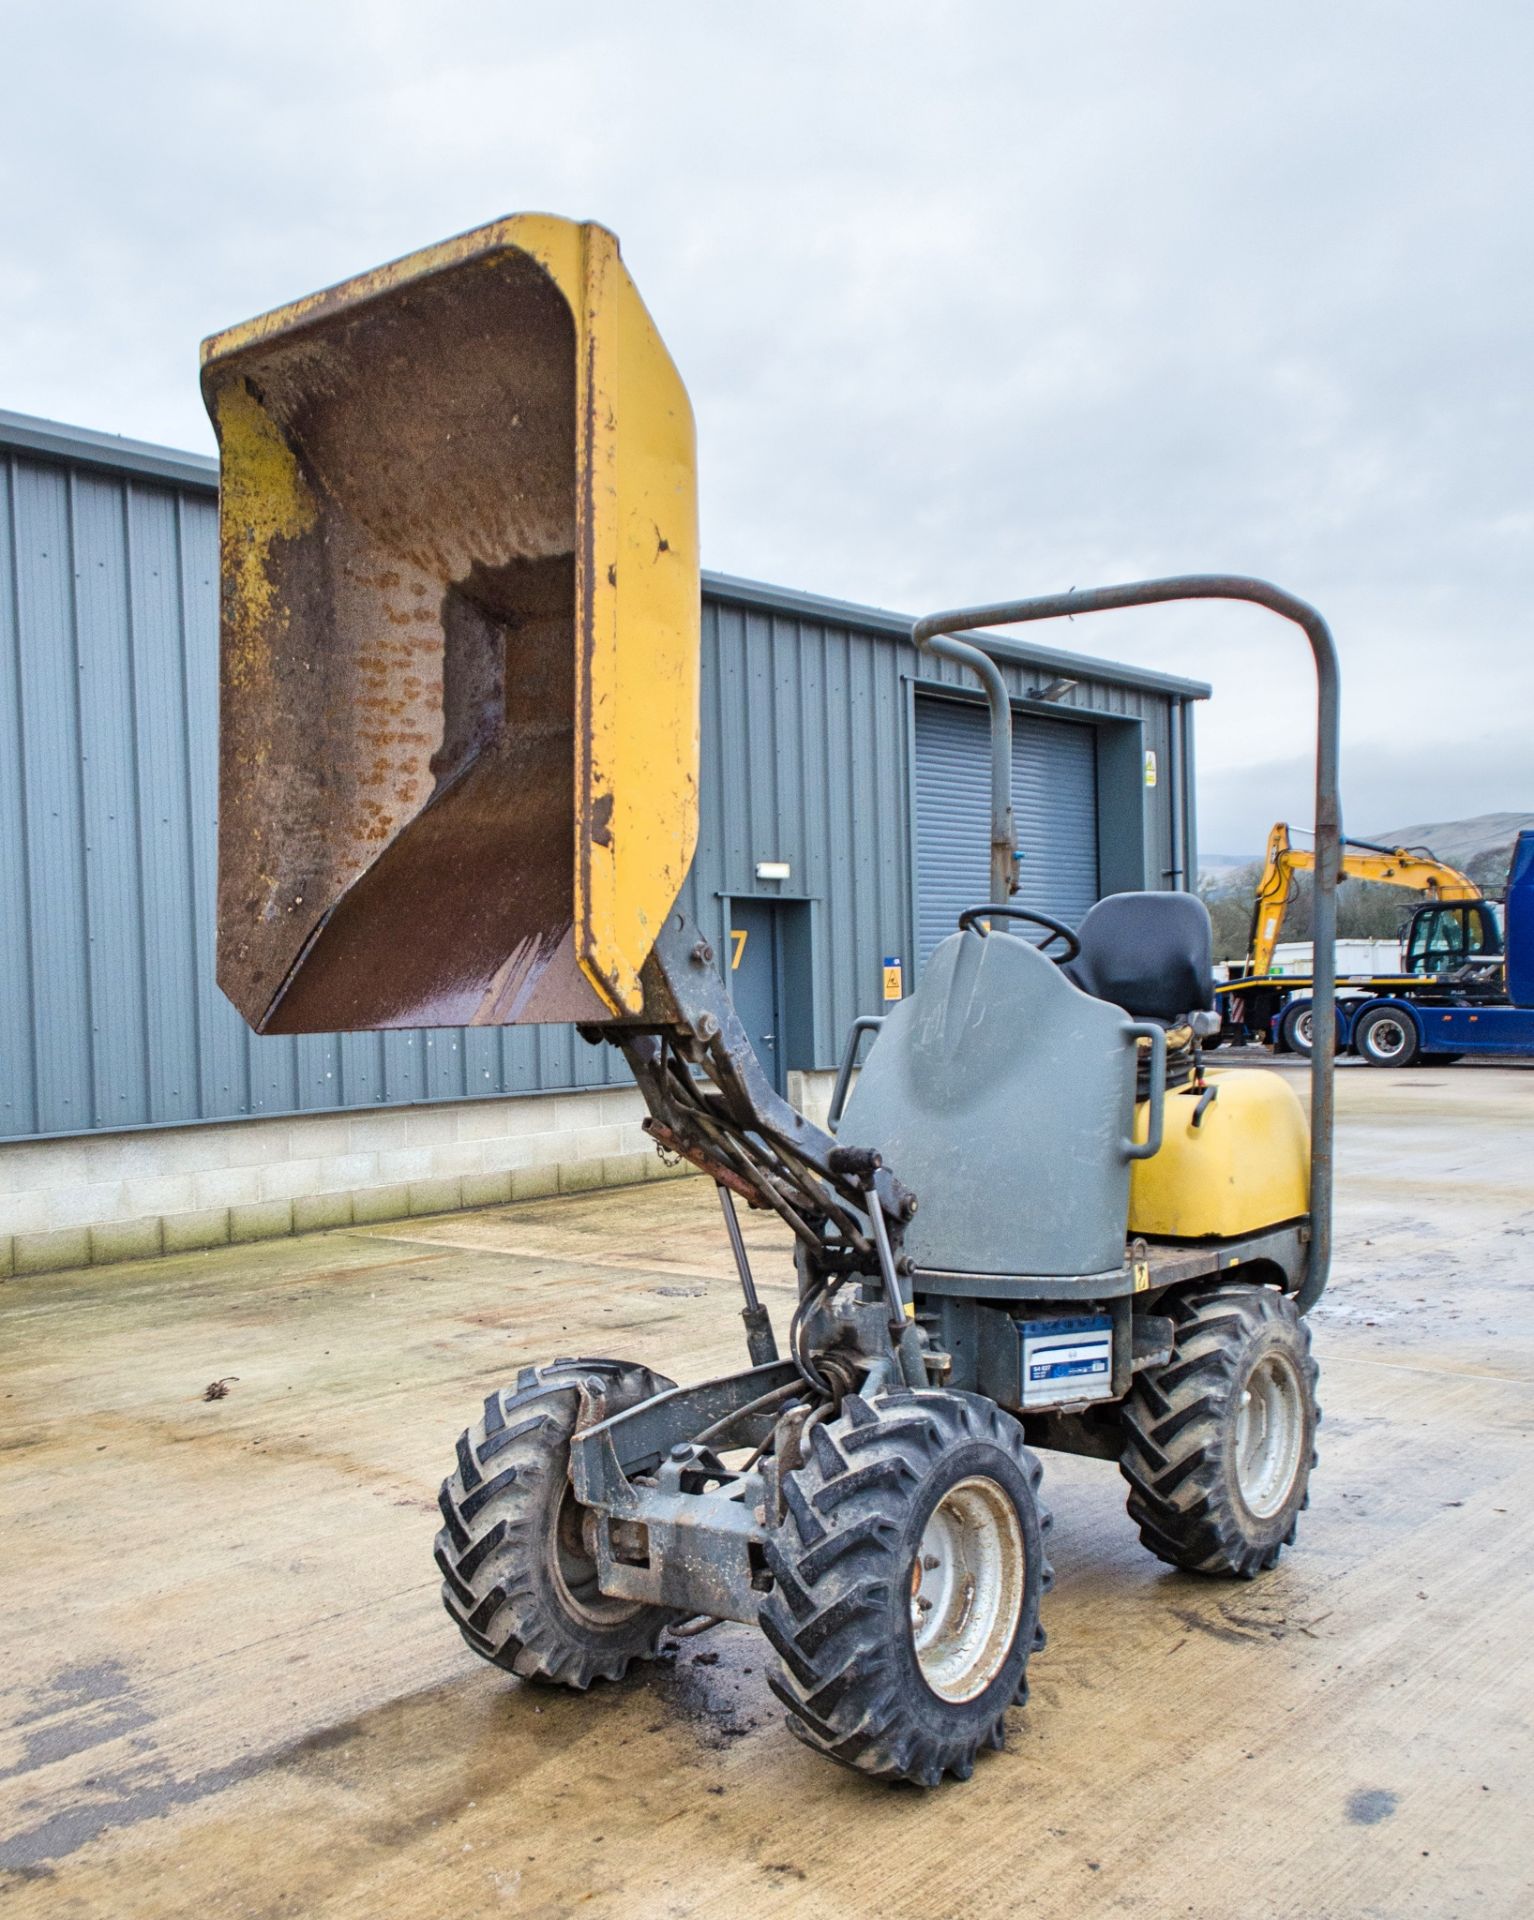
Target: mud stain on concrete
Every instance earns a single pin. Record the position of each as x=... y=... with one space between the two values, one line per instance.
x=151 y=1790
x=1216 y=1629
x=80 y=1707
x=149 y=1796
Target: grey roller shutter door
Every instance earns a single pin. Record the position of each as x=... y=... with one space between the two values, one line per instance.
x=1054 y=798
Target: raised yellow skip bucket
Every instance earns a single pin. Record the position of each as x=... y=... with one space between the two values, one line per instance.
x=459 y=736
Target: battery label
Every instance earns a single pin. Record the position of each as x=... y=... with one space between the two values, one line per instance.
x=1063 y=1362
x=1069 y=1358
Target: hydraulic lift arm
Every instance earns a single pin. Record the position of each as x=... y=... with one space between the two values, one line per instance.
x=711 y=1102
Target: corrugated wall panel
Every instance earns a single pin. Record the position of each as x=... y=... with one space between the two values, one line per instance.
x=808 y=766
x=119 y=1072
x=18 y=1026
x=55 y=849
x=111 y=1015
x=817 y=827
x=1054 y=805
x=233 y=1071
x=155 y=619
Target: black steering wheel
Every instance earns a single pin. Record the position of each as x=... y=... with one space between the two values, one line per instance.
x=1057 y=929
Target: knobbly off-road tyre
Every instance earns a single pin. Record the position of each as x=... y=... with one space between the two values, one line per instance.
x=1208 y=1489
x=912 y=1487
x=516 y=1578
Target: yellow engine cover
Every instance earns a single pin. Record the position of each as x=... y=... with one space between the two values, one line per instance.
x=1245 y=1166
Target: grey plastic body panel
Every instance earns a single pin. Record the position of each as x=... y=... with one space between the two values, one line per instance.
x=1003 y=1097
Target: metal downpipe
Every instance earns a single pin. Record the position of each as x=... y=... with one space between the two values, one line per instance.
x=1178 y=872
x=931 y=632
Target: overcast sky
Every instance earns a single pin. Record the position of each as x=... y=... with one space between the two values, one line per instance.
x=973 y=300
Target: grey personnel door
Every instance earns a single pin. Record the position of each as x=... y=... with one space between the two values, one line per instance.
x=756 y=981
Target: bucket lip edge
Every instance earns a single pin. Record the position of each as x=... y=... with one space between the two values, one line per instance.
x=477 y=243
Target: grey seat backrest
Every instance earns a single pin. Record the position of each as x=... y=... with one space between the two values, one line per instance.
x=1002 y=1096
x=1149 y=953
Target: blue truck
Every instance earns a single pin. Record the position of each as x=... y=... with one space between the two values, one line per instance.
x=1466 y=987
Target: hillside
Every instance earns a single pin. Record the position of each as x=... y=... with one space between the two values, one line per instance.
x=1459 y=841
x=1462 y=843
x=1220 y=866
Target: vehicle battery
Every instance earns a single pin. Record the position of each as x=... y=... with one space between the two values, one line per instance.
x=1067 y=1359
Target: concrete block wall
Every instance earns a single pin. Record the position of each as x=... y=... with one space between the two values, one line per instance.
x=128 y=1196
x=125 y=1196
x=811 y=1094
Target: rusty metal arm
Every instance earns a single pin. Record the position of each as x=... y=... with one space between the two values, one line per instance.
x=932 y=633
x=710 y=1100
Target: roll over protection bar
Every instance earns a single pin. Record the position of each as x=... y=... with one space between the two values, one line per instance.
x=935 y=634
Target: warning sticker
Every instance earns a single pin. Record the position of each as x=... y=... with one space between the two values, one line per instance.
x=894 y=977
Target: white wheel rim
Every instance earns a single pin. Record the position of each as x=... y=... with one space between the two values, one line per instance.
x=1270 y=1431
x=967 y=1589
x=1302 y=1031
x=1387 y=1038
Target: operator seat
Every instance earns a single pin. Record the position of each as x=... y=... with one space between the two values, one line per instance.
x=1149 y=953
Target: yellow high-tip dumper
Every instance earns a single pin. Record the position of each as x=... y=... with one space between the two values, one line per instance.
x=460 y=644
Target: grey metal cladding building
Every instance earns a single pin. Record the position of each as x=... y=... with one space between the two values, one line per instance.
x=829 y=750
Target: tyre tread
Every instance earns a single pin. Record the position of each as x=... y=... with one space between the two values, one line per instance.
x=1173 y=1420
x=828 y=1619
x=493 y=1507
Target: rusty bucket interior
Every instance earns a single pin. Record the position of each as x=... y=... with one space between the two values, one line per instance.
x=459 y=640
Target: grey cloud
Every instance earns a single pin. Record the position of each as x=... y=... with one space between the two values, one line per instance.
x=971 y=300
x=1385 y=788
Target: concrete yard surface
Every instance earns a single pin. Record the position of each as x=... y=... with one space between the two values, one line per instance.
x=229 y=1688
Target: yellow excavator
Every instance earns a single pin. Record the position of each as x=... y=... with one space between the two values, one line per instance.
x=1451 y=945
x=1413 y=867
